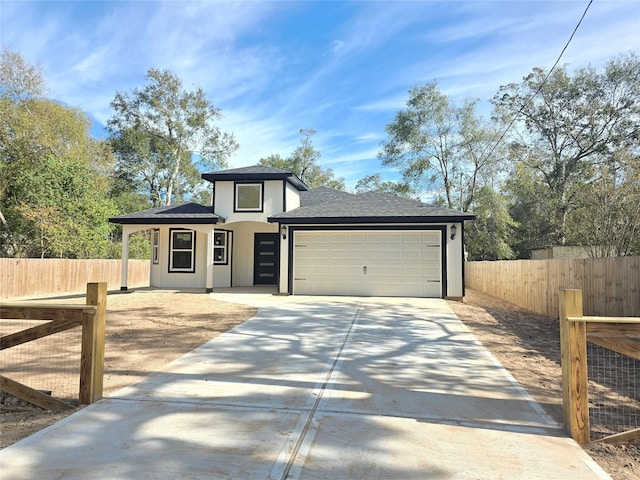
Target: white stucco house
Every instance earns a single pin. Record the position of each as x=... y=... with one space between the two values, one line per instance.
x=266 y=227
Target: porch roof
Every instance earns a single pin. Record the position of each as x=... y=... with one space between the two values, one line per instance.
x=179 y=214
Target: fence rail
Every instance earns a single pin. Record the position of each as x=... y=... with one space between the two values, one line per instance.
x=20 y=277
x=91 y=317
x=620 y=334
x=611 y=286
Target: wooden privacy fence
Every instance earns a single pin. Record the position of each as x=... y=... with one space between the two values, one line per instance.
x=611 y=286
x=91 y=317
x=620 y=334
x=21 y=277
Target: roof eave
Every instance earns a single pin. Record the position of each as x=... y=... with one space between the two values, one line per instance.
x=360 y=220
x=164 y=221
x=230 y=177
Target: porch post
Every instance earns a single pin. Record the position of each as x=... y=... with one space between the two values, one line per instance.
x=126 y=231
x=209 y=279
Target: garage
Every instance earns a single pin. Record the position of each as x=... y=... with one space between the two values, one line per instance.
x=368 y=262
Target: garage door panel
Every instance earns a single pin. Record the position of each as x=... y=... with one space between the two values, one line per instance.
x=374 y=254
x=411 y=255
x=393 y=255
x=393 y=239
x=432 y=253
x=337 y=255
x=357 y=238
x=353 y=254
x=398 y=263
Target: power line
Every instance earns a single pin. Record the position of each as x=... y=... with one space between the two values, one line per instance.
x=513 y=120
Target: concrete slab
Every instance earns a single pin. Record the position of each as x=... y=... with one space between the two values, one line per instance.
x=353 y=388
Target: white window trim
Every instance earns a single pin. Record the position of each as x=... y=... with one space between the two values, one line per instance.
x=224 y=247
x=155 y=248
x=259 y=208
x=192 y=267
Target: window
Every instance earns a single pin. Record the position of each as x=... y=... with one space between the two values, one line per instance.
x=248 y=197
x=220 y=247
x=156 y=246
x=182 y=251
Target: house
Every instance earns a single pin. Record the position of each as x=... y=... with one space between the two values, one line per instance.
x=266 y=227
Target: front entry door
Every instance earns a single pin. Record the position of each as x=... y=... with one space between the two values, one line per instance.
x=265 y=258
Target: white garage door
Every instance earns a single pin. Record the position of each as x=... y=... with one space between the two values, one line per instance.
x=390 y=263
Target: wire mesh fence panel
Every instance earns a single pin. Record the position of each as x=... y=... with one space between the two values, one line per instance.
x=50 y=364
x=614 y=396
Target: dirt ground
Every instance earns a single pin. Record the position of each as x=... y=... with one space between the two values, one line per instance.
x=527 y=344
x=147 y=329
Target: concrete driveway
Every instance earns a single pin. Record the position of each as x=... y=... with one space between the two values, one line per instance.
x=316 y=388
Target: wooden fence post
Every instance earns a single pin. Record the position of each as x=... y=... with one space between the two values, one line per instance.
x=92 y=356
x=573 y=344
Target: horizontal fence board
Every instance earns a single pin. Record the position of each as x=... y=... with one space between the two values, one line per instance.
x=610 y=286
x=35 y=397
x=34 y=333
x=24 y=277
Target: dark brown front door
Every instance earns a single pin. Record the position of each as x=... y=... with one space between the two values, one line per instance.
x=265 y=258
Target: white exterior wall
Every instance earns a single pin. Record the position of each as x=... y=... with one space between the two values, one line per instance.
x=292 y=196
x=223 y=199
x=161 y=277
x=283 y=278
x=273 y=202
x=455 y=284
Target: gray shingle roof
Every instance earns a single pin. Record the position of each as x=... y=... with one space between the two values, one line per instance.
x=321 y=195
x=324 y=205
x=182 y=213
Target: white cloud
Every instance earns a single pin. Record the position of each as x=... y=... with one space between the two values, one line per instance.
x=270 y=77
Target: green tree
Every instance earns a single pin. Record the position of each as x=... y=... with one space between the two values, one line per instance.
x=374 y=183
x=565 y=128
x=529 y=206
x=64 y=209
x=303 y=163
x=488 y=237
x=54 y=178
x=160 y=133
x=607 y=213
x=438 y=146
x=18 y=82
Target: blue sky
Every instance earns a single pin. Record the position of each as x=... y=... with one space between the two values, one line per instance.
x=341 y=68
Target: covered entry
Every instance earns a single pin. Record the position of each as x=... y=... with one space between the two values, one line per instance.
x=368 y=262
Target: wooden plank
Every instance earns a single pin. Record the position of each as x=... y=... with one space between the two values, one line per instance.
x=611 y=286
x=87 y=360
x=613 y=330
x=632 y=305
x=32 y=276
x=625 y=346
x=631 y=436
x=30 y=395
x=43 y=311
x=590 y=319
x=574 y=366
x=39 y=331
x=97 y=296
